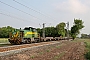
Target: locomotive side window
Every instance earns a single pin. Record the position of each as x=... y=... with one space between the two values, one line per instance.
x=34 y=30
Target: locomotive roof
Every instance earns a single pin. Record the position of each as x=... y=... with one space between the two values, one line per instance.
x=29 y=28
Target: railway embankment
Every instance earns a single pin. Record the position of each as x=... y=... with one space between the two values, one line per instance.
x=55 y=50
x=10 y=50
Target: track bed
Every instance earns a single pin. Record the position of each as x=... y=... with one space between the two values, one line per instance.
x=65 y=50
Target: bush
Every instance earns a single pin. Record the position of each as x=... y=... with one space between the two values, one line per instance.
x=87 y=55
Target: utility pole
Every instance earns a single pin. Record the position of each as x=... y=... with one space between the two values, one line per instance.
x=68 y=30
x=43 y=30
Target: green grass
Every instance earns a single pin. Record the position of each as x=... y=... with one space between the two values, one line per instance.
x=41 y=53
x=58 y=46
x=4 y=40
x=58 y=56
x=48 y=50
x=87 y=45
x=2 y=45
x=78 y=40
x=32 y=57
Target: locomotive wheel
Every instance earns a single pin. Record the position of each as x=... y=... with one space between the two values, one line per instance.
x=17 y=42
x=11 y=41
x=38 y=41
x=26 y=42
x=29 y=41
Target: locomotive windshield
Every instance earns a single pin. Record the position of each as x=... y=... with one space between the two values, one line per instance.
x=26 y=28
x=30 y=28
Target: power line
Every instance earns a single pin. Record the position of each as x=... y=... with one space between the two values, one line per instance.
x=11 y=16
x=26 y=6
x=11 y=13
x=19 y=10
x=32 y=9
x=15 y=17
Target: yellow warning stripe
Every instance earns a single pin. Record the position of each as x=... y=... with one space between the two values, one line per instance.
x=30 y=33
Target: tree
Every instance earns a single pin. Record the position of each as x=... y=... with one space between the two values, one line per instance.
x=39 y=31
x=84 y=36
x=61 y=29
x=75 y=30
x=4 y=31
x=51 y=32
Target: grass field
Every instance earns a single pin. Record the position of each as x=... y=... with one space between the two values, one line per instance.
x=87 y=43
x=4 y=40
x=87 y=46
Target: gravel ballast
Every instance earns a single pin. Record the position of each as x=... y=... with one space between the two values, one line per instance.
x=11 y=52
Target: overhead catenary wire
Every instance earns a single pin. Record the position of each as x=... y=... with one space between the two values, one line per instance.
x=53 y=19
x=20 y=10
x=34 y=10
x=11 y=16
x=15 y=17
x=27 y=6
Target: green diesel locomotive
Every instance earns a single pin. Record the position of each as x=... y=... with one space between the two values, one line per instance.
x=27 y=35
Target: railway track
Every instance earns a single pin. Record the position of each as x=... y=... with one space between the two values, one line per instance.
x=58 y=50
x=24 y=47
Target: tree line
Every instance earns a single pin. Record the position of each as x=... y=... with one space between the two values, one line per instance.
x=59 y=30
x=85 y=36
x=4 y=31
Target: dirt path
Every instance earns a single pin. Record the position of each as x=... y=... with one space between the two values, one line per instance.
x=74 y=52
x=67 y=50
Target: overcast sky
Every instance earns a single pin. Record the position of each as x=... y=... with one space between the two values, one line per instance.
x=35 y=12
